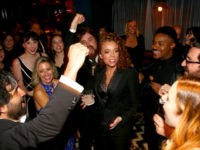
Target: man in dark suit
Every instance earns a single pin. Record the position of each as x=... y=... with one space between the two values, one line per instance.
x=165 y=69
x=49 y=122
x=85 y=77
x=87 y=37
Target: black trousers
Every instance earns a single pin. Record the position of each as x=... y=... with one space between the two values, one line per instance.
x=87 y=128
x=116 y=139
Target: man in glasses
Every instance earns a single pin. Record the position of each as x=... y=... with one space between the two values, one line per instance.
x=191 y=65
x=18 y=136
x=191 y=62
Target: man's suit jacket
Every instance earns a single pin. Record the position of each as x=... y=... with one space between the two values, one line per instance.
x=85 y=76
x=44 y=127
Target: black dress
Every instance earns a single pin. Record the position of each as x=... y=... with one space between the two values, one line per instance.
x=136 y=53
x=27 y=75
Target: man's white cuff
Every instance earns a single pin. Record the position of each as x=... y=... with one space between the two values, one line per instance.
x=72 y=30
x=71 y=83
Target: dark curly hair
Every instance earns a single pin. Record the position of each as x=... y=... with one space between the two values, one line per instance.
x=6 y=78
x=167 y=30
x=124 y=58
x=82 y=31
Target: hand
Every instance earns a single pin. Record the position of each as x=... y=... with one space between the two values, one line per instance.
x=159 y=124
x=115 y=122
x=87 y=100
x=161 y=127
x=78 y=19
x=76 y=55
x=155 y=86
x=164 y=89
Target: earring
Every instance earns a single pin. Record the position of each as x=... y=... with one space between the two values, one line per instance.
x=100 y=56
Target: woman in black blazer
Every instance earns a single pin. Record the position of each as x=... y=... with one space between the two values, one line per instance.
x=116 y=95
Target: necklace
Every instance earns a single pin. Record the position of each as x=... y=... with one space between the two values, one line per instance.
x=48 y=88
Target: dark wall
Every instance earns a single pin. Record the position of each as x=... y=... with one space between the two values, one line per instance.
x=102 y=13
x=97 y=12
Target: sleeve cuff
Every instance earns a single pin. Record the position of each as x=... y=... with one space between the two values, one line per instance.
x=72 y=30
x=71 y=83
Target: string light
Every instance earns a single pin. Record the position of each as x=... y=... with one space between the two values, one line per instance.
x=160 y=8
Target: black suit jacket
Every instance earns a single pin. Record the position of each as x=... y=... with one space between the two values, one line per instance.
x=85 y=76
x=122 y=97
x=17 y=136
x=163 y=72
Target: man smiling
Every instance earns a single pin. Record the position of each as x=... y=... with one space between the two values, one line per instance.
x=191 y=62
x=191 y=65
x=165 y=69
x=49 y=122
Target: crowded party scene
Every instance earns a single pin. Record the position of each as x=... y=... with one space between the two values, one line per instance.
x=99 y=75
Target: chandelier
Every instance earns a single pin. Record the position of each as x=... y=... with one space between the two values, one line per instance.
x=160 y=5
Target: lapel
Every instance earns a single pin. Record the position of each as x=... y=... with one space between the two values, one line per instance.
x=113 y=89
x=115 y=82
x=88 y=65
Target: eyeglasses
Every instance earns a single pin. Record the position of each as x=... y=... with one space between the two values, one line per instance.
x=189 y=61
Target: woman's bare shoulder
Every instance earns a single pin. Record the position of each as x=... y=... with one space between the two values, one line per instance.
x=38 y=87
x=39 y=91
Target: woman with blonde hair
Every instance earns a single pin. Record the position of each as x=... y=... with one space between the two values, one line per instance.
x=182 y=111
x=134 y=42
x=44 y=80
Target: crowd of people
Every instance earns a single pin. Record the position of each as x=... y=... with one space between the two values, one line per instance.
x=41 y=80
